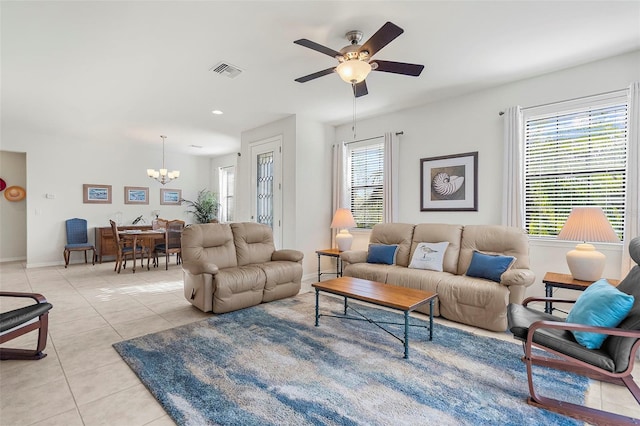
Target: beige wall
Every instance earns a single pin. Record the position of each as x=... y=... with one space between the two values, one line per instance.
x=13 y=215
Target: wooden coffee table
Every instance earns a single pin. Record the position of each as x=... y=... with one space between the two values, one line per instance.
x=387 y=295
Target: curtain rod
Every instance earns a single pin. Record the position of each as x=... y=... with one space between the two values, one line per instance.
x=569 y=100
x=400 y=133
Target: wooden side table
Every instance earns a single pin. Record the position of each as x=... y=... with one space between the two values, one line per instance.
x=557 y=280
x=332 y=252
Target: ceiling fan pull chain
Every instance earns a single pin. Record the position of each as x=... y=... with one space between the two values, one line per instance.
x=353 y=126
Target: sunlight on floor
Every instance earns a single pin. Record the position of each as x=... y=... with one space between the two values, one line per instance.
x=107 y=293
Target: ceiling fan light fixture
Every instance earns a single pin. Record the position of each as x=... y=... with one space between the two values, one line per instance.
x=355 y=60
x=353 y=71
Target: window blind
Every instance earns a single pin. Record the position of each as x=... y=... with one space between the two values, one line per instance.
x=575 y=158
x=366 y=178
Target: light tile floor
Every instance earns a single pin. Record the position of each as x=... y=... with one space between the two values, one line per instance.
x=83 y=381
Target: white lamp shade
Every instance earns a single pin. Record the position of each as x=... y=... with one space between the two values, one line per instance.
x=343 y=219
x=587 y=224
x=353 y=70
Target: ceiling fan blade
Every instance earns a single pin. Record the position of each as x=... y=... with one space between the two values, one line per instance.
x=315 y=75
x=399 y=68
x=360 y=89
x=385 y=35
x=318 y=47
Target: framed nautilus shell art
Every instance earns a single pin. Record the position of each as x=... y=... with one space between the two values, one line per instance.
x=449 y=182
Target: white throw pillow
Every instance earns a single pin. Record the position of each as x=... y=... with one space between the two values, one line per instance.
x=429 y=256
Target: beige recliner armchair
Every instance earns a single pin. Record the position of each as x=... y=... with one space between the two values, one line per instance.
x=233 y=266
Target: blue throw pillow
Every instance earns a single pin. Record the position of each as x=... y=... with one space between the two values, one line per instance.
x=600 y=305
x=382 y=253
x=489 y=266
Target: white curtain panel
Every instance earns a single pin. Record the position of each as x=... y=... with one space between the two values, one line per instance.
x=632 y=220
x=338 y=190
x=391 y=165
x=513 y=181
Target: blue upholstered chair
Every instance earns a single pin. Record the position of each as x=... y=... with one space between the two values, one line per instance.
x=78 y=240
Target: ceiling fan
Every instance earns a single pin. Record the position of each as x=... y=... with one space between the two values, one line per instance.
x=355 y=59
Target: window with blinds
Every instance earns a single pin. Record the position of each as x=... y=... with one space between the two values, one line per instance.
x=574 y=158
x=227 y=184
x=365 y=165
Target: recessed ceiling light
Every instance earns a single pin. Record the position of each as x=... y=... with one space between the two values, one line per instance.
x=217 y=112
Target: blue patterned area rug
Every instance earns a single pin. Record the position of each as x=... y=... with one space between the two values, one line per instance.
x=269 y=365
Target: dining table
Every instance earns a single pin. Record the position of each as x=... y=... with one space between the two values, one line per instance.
x=147 y=238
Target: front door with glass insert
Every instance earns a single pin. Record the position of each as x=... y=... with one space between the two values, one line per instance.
x=266 y=185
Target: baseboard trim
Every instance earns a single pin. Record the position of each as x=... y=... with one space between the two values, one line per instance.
x=12 y=259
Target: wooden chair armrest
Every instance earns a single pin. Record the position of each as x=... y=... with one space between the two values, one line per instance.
x=35 y=296
x=546 y=299
x=610 y=331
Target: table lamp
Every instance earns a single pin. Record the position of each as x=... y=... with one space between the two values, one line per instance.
x=343 y=219
x=587 y=224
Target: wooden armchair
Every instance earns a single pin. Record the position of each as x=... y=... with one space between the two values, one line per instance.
x=612 y=362
x=20 y=321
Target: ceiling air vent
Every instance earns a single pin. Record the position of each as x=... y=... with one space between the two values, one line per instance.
x=224 y=68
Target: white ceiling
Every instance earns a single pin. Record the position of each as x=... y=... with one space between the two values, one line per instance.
x=127 y=72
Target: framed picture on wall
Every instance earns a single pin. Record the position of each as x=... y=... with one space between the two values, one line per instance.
x=170 y=196
x=136 y=195
x=449 y=183
x=98 y=194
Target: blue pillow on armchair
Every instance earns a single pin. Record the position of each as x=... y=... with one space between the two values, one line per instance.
x=601 y=305
x=382 y=253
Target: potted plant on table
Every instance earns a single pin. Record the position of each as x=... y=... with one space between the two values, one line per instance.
x=205 y=207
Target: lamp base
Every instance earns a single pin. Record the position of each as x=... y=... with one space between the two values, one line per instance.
x=586 y=263
x=344 y=240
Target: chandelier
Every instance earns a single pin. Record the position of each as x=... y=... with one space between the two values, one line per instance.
x=163 y=175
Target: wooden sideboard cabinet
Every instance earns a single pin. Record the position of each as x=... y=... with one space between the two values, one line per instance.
x=106 y=244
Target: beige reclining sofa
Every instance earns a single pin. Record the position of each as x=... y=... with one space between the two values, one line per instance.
x=469 y=300
x=233 y=266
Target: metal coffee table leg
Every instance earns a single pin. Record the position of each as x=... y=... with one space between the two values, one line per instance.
x=406 y=334
x=431 y=319
x=317 y=310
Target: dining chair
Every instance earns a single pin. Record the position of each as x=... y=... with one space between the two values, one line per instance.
x=126 y=249
x=78 y=240
x=158 y=224
x=171 y=244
